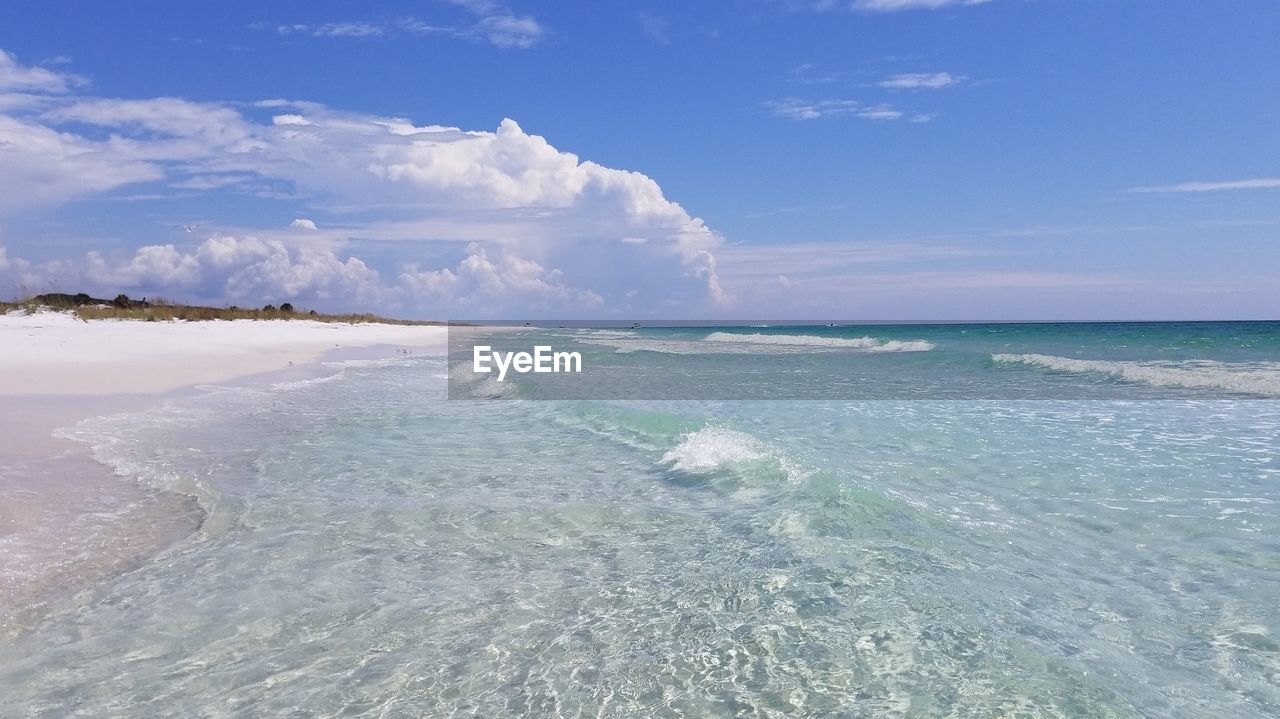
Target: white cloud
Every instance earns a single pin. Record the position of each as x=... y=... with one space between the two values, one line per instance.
x=227 y=269
x=797 y=109
x=21 y=78
x=526 y=206
x=921 y=81
x=800 y=110
x=296 y=120
x=179 y=129
x=348 y=29
x=1264 y=183
x=481 y=280
x=334 y=29
x=492 y=22
x=303 y=224
x=897 y=5
x=506 y=31
x=250 y=270
x=880 y=112
x=40 y=165
x=885 y=6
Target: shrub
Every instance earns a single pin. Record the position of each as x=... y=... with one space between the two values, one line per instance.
x=286 y=307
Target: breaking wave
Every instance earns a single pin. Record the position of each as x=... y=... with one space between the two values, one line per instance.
x=715 y=448
x=867 y=344
x=755 y=343
x=1257 y=378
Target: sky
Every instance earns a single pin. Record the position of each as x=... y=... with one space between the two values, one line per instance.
x=772 y=159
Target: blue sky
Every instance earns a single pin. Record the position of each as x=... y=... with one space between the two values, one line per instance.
x=855 y=159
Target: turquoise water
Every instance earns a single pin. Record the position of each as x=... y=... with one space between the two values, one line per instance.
x=1194 y=360
x=371 y=548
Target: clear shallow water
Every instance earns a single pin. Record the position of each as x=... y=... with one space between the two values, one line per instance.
x=371 y=548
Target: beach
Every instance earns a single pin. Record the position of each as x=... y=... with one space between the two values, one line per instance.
x=52 y=353
x=66 y=519
x=896 y=520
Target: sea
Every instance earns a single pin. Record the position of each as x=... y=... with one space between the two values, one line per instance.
x=962 y=520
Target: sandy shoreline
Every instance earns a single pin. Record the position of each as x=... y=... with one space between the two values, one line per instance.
x=51 y=353
x=56 y=370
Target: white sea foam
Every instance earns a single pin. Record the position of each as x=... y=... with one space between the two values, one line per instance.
x=755 y=343
x=1259 y=378
x=379 y=362
x=302 y=383
x=714 y=448
x=114 y=441
x=624 y=345
x=868 y=344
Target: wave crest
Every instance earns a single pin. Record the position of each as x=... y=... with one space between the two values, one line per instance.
x=714 y=449
x=867 y=344
x=1258 y=378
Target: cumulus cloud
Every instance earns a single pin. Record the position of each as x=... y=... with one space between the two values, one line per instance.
x=220 y=269
x=251 y=270
x=522 y=206
x=481 y=278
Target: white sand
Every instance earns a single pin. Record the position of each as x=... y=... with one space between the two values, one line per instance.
x=61 y=522
x=55 y=353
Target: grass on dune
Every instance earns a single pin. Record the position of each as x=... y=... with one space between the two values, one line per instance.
x=122 y=308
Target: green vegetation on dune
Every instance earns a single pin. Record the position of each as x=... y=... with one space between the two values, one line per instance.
x=86 y=307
